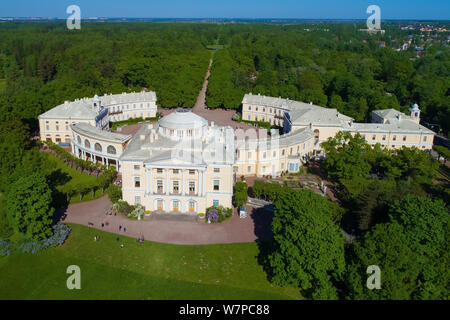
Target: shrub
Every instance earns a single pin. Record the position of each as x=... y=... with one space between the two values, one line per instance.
x=114 y=193
x=218 y=214
x=5 y=247
x=60 y=234
x=212 y=215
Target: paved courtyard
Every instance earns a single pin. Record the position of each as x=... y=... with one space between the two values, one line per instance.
x=257 y=226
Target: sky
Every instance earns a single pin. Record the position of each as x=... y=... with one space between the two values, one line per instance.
x=256 y=9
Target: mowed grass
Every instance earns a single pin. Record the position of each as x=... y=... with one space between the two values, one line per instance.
x=73 y=178
x=2 y=85
x=138 y=271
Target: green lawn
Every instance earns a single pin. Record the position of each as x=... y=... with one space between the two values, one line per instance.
x=138 y=271
x=2 y=84
x=73 y=177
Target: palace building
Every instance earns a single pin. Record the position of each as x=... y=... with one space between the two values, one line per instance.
x=55 y=124
x=391 y=128
x=183 y=163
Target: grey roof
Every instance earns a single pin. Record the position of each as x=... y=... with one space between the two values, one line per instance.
x=390 y=126
x=283 y=141
x=133 y=97
x=301 y=113
x=183 y=119
x=308 y=113
x=166 y=150
x=391 y=114
x=86 y=129
x=79 y=109
x=83 y=109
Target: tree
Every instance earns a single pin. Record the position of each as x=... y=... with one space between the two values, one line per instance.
x=29 y=205
x=13 y=143
x=411 y=249
x=308 y=247
x=114 y=193
x=345 y=156
x=240 y=194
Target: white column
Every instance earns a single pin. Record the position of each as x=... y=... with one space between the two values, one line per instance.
x=167 y=181
x=151 y=180
x=204 y=183
x=103 y=161
x=200 y=183
x=184 y=182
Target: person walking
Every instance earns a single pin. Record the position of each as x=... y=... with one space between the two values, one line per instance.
x=117 y=239
x=103 y=225
x=120 y=228
x=95 y=238
x=124 y=229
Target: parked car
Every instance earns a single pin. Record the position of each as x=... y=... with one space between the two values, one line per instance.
x=242 y=212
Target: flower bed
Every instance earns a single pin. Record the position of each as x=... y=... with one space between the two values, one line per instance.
x=218 y=214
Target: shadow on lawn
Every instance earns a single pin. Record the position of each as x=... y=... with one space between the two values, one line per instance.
x=262 y=220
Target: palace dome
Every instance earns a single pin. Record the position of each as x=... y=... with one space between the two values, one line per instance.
x=182 y=124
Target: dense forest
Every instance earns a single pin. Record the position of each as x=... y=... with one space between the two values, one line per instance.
x=334 y=66
x=46 y=64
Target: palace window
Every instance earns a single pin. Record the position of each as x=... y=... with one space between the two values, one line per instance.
x=249 y=108
x=282 y=152
x=176 y=205
x=176 y=186
x=159 y=204
x=216 y=185
x=215 y=203
x=249 y=155
x=137 y=199
x=192 y=187
x=424 y=139
x=175 y=171
x=159 y=186
x=136 y=167
x=274 y=154
x=47 y=127
x=404 y=138
x=57 y=128
x=191 y=205
x=137 y=182
x=191 y=172
x=87 y=144
x=111 y=150
x=374 y=137
x=159 y=170
x=384 y=138
x=98 y=147
x=216 y=170
x=249 y=168
x=394 y=138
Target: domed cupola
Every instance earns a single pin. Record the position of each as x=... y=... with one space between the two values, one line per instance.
x=414 y=113
x=182 y=124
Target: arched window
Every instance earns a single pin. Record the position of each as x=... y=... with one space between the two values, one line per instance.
x=111 y=150
x=79 y=140
x=98 y=147
x=87 y=144
x=316 y=132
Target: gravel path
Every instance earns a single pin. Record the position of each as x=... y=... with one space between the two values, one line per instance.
x=235 y=230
